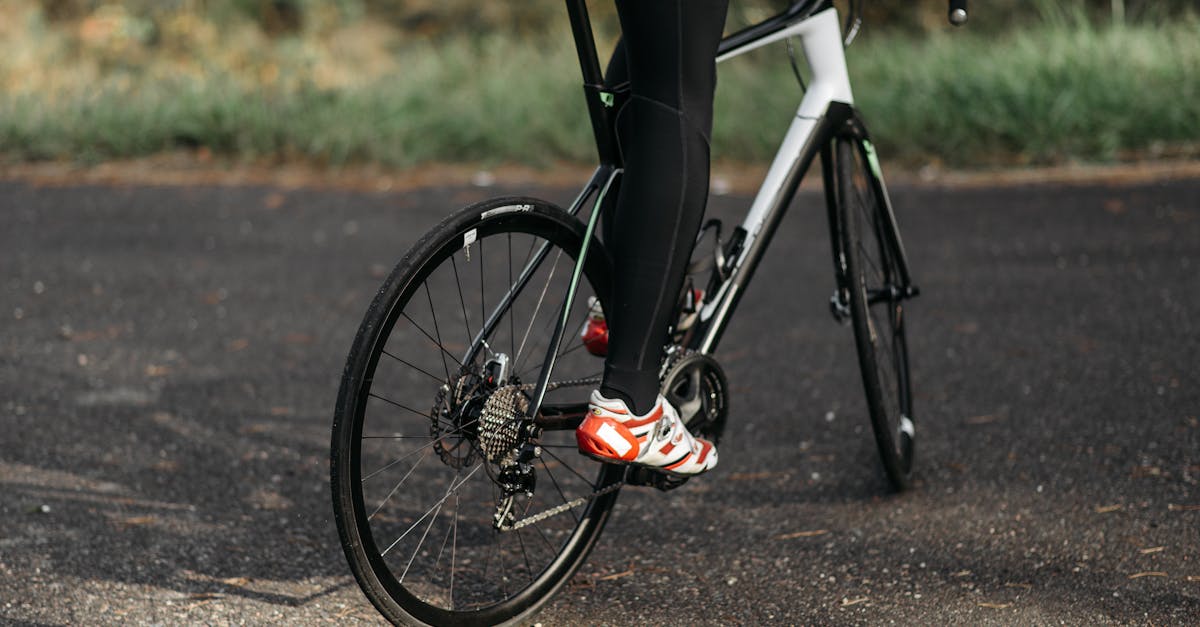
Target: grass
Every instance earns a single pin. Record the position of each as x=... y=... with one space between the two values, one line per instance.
x=1044 y=95
x=1058 y=92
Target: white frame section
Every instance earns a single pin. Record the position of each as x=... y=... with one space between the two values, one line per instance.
x=821 y=41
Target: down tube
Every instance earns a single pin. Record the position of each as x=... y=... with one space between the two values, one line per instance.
x=767 y=212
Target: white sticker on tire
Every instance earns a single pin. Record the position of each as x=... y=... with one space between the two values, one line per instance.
x=505 y=209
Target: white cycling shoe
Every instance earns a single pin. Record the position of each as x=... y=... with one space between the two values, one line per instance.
x=612 y=433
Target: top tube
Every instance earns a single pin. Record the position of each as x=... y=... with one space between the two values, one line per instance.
x=599 y=100
x=797 y=11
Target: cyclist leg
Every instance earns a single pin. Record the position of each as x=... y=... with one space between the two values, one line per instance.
x=669 y=49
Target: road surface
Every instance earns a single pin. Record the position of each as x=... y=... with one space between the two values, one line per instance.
x=169 y=358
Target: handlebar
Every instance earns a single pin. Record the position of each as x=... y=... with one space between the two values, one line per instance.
x=958 y=12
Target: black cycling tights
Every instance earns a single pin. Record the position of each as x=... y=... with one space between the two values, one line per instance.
x=668 y=55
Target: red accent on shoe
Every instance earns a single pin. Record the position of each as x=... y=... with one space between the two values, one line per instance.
x=595 y=337
x=602 y=437
x=640 y=422
x=678 y=463
x=704 y=451
x=667 y=448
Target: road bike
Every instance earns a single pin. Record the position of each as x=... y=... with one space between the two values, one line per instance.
x=458 y=491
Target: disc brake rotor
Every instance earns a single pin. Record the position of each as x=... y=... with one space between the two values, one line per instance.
x=454 y=419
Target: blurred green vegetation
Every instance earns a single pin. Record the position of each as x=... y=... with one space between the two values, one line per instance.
x=538 y=17
x=400 y=82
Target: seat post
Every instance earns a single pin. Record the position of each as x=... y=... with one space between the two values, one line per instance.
x=600 y=102
x=585 y=41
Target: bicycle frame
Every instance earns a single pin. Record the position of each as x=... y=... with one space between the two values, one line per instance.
x=825 y=113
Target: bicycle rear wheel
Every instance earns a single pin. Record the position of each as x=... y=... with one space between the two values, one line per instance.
x=873 y=280
x=439 y=520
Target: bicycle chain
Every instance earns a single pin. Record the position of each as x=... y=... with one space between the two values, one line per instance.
x=565 y=507
x=491 y=454
x=493 y=422
x=569 y=505
x=554 y=385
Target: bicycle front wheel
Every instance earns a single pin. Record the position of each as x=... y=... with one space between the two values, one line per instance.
x=876 y=300
x=452 y=505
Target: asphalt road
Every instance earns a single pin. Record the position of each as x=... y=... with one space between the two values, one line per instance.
x=169 y=359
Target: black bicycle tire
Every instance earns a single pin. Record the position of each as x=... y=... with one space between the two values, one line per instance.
x=393 y=602
x=896 y=445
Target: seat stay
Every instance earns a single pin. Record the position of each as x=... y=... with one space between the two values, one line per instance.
x=599 y=177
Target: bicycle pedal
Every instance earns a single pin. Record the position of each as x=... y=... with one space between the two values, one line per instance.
x=644 y=476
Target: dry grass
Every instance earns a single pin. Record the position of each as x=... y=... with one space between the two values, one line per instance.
x=115 y=84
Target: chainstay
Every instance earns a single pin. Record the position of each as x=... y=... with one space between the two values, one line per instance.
x=554 y=385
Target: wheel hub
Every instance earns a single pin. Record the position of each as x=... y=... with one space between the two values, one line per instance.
x=455 y=417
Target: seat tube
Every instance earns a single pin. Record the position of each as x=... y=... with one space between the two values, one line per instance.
x=599 y=103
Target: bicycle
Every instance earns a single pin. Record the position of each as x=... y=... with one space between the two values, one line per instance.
x=457 y=489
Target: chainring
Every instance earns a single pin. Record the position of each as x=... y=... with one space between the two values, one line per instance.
x=696 y=386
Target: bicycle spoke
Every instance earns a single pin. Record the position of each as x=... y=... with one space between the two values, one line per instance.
x=398 y=484
x=538 y=308
x=445 y=541
x=549 y=545
x=396 y=437
x=421 y=542
x=410 y=454
x=568 y=467
x=487 y=564
x=435 y=342
x=454 y=549
x=422 y=504
x=558 y=488
x=577 y=346
x=461 y=301
x=434 y=506
x=482 y=292
x=417 y=368
x=546 y=331
x=400 y=405
x=438 y=331
x=512 y=331
x=525 y=555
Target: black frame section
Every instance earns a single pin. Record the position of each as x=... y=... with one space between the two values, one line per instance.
x=840 y=120
x=603 y=101
x=794 y=13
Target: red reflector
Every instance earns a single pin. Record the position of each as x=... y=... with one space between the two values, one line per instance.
x=595 y=337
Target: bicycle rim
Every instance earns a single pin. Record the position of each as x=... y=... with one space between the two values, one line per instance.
x=416 y=477
x=877 y=310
